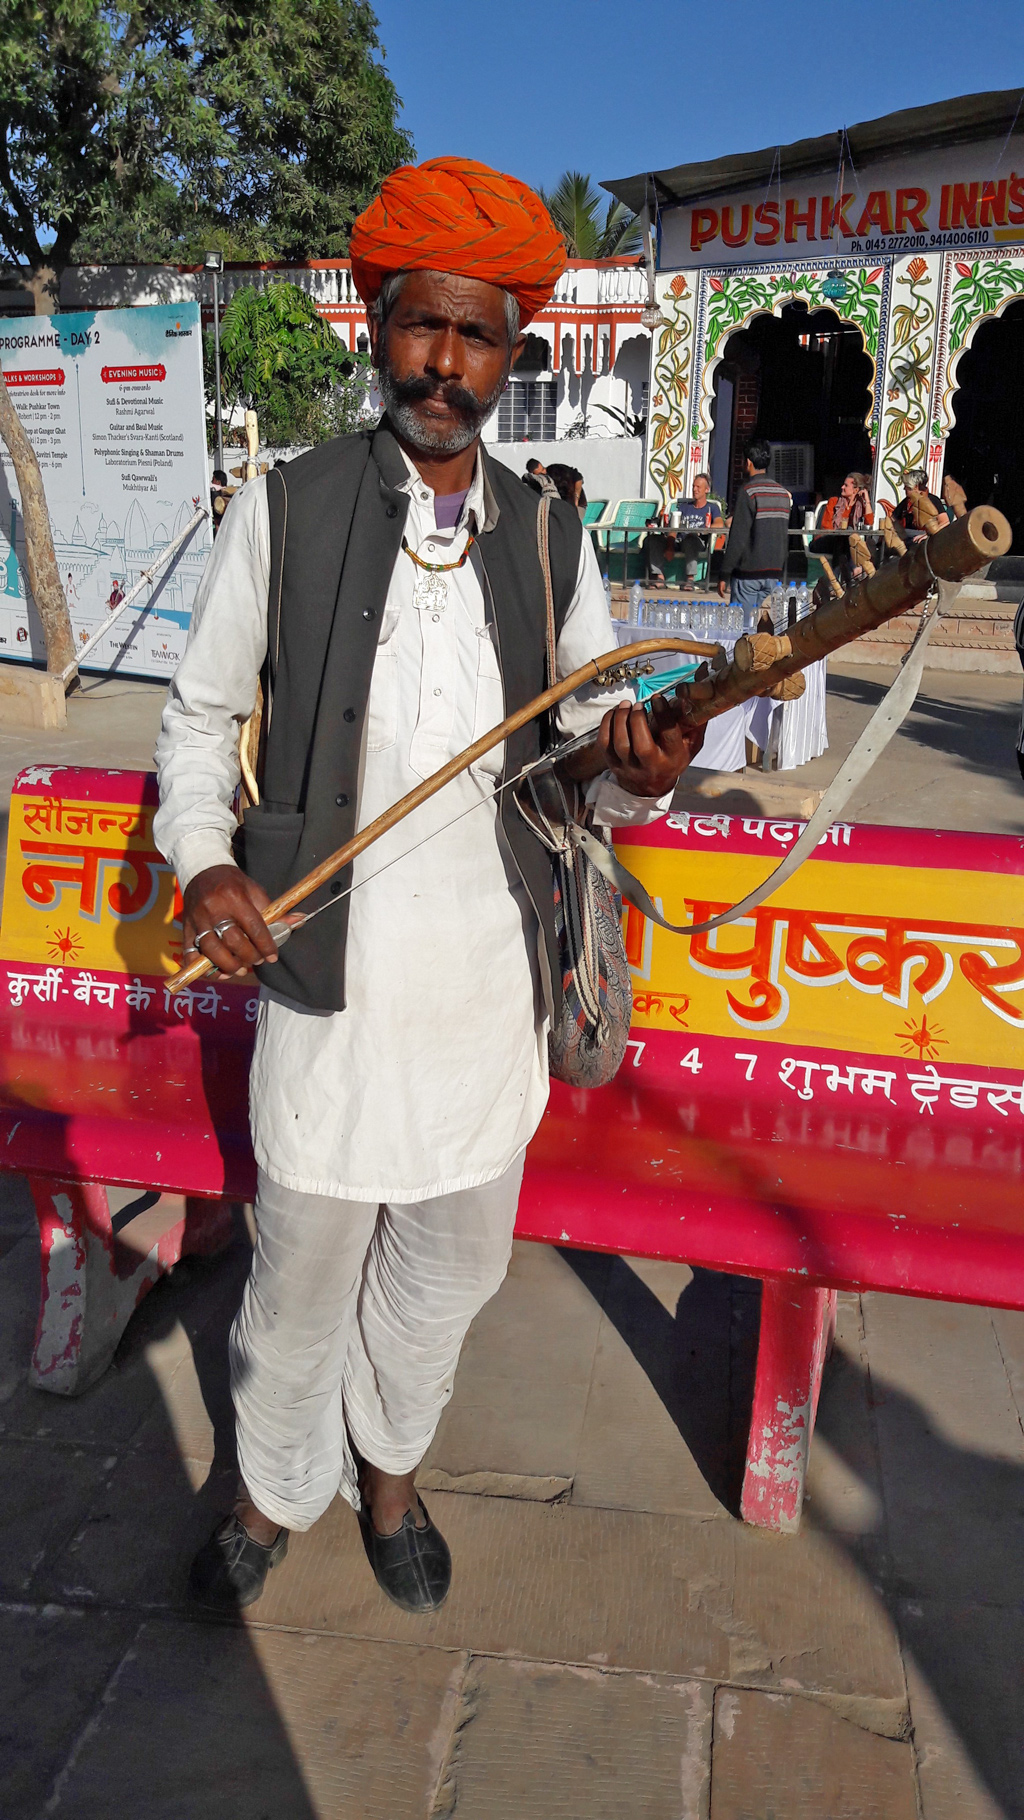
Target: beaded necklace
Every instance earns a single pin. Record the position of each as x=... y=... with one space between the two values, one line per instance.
x=439 y=568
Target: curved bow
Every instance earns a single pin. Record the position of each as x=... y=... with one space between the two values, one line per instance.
x=612 y=667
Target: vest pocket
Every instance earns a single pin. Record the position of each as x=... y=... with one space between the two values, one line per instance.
x=490 y=703
x=266 y=846
x=382 y=706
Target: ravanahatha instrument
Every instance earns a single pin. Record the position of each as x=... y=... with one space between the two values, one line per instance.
x=760 y=662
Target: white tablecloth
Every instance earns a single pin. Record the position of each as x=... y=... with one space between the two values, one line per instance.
x=803 y=733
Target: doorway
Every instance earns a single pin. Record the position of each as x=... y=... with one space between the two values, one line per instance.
x=985 y=448
x=802 y=376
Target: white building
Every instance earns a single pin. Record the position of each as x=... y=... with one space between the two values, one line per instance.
x=581 y=381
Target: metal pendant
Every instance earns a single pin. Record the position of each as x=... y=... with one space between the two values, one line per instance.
x=430 y=593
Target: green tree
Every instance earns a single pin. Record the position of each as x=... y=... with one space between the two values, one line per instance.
x=282 y=360
x=575 y=208
x=151 y=129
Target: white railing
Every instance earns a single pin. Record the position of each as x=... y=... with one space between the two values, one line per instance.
x=621 y=284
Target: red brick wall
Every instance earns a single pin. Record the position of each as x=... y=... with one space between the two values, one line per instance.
x=744 y=417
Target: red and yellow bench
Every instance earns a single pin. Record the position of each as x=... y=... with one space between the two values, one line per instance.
x=827 y=1094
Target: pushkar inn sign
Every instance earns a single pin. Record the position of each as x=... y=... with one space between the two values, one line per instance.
x=909 y=229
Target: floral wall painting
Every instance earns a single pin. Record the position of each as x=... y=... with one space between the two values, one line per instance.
x=907 y=433
x=670 y=388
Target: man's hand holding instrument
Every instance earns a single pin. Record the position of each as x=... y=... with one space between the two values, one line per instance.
x=672 y=721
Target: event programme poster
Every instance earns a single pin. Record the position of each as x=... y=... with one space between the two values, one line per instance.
x=112 y=402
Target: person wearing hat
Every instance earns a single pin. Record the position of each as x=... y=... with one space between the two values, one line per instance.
x=387 y=585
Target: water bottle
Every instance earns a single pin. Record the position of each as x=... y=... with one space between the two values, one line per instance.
x=636 y=605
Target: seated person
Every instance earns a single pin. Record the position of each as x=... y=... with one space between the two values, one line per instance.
x=907 y=516
x=847 y=510
x=696 y=514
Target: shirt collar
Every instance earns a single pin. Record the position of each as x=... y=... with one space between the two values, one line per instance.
x=479 y=500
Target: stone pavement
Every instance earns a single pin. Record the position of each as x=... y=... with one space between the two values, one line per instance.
x=616 y=1644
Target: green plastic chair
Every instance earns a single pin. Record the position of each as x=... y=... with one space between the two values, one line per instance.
x=596 y=509
x=628 y=521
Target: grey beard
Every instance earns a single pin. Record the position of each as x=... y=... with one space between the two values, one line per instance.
x=402 y=416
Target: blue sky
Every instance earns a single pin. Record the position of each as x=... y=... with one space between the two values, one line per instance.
x=538 y=86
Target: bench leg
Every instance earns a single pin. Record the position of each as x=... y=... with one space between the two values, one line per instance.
x=797 y=1324
x=92 y=1280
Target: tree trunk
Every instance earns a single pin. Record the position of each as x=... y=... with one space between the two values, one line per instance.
x=43 y=574
x=44 y=284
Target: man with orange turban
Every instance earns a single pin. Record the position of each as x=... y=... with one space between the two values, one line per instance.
x=387 y=588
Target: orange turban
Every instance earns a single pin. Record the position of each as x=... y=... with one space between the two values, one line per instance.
x=454 y=215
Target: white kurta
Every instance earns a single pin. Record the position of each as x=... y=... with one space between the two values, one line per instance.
x=434 y=1076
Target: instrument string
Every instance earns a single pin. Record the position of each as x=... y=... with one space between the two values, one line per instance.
x=548 y=759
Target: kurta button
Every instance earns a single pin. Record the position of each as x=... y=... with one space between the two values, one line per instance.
x=341 y=801
x=392 y=511
x=369 y=612
x=437 y=691
x=349 y=714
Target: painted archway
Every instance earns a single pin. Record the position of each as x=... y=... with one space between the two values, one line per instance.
x=701 y=310
x=976 y=289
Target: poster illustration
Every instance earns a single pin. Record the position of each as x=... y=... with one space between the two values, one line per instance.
x=112 y=402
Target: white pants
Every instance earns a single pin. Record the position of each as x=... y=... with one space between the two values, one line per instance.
x=350 y=1330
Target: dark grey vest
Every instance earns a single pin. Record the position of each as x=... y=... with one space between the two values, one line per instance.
x=337 y=516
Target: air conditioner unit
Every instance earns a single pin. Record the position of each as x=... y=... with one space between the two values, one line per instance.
x=792 y=465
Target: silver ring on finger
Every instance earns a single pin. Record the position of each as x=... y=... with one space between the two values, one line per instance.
x=219 y=928
x=201 y=935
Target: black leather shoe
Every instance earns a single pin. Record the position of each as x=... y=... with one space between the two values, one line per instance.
x=229 y=1571
x=414 y=1566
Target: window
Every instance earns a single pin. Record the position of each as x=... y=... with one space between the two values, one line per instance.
x=526 y=411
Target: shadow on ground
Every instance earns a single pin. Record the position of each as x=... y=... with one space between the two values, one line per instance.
x=945 y=1553
x=681 y=1354
x=979 y=734
x=115 y=1695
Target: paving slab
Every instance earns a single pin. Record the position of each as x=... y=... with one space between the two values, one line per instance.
x=214 y=1721
x=46 y=1489
x=534 y=1742
x=709 y=1600
x=845 y=1495
x=952 y=1451
x=134 y=1537
x=952 y=764
x=967 y=1703
x=55 y=1666
x=666 y=1420
x=783 y=1758
x=514 y=1421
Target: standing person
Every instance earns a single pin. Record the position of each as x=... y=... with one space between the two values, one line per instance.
x=400 y=1065
x=569 y=485
x=758 y=547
